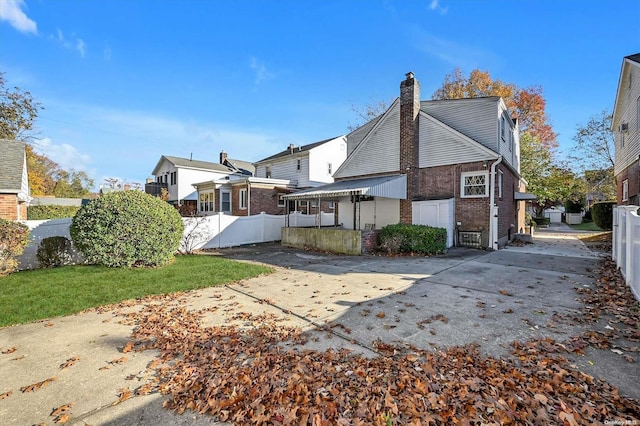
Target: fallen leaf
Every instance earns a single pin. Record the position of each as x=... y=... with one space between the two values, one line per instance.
x=70 y=362
x=36 y=386
x=9 y=351
x=6 y=394
x=61 y=409
x=381 y=315
x=505 y=293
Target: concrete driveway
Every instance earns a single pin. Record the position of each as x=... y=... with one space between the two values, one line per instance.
x=465 y=296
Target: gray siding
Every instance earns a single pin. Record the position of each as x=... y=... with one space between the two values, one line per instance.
x=287 y=169
x=476 y=118
x=440 y=145
x=627 y=105
x=381 y=150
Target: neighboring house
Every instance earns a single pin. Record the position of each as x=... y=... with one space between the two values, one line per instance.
x=626 y=125
x=447 y=163
x=177 y=175
x=306 y=166
x=239 y=195
x=14 y=181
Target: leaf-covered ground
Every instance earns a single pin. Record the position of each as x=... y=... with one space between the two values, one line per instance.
x=261 y=373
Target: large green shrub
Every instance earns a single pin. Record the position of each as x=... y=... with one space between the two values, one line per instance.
x=14 y=237
x=127 y=228
x=54 y=251
x=602 y=214
x=573 y=206
x=51 y=212
x=402 y=238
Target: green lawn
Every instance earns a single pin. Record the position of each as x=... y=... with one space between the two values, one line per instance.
x=45 y=293
x=586 y=226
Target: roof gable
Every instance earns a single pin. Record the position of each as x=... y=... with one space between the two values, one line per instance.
x=379 y=150
x=623 y=86
x=12 y=158
x=442 y=145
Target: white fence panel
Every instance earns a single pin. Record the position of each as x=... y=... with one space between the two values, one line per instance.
x=216 y=231
x=626 y=245
x=41 y=229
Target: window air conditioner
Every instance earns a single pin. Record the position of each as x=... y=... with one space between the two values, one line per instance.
x=623 y=127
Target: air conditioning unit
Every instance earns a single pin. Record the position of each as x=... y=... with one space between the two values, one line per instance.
x=623 y=127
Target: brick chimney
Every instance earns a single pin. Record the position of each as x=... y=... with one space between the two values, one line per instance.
x=223 y=157
x=409 y=109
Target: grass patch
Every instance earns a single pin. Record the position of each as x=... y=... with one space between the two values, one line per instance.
x=587 y=226
x=28 y=296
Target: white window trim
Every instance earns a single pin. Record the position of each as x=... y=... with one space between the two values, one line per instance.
x=206 y=201
x=225 y=191
x=281 y=201
x=242 y=200
x=486 y=184
x=500 y=183
x=625 y=190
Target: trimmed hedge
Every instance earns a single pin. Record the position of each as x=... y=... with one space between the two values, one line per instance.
x=14 y=237
x=54 y=251
x=127 y=228
x=51 y=212
x=602 y=214
x=403 y=238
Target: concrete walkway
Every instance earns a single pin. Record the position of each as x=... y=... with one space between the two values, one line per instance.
x=490 y=298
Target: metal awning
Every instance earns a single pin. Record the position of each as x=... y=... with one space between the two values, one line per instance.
x=382 y=186
x=524 y=196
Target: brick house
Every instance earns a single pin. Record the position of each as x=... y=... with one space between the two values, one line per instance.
x=14 y=181
x=447 y=163
x=626 y=125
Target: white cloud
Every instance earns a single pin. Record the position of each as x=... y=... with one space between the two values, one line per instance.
x=74 y=43
x=435 y=6
x=260 y=69
x=67 y=156
x=81 y=47
x=11 y=11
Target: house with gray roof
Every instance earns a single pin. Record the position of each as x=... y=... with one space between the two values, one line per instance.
x=14 y=181
x=177 y=175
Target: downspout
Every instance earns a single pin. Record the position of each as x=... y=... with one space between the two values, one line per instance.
x=493 y=233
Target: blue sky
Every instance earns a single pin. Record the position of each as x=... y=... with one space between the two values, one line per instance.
x=124 y=82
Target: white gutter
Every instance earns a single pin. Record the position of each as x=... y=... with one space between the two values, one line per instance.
x=493 y=233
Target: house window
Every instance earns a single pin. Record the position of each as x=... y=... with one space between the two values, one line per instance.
x=298 y=164
x=474 y=184
x=303 y=207
x=159 y=179
x=281 y=202
x=332 y=205
x=500 y=181
x=206 y=201
x=268 y=172
x=174 y=178
x=504 y=126
x=242 y=198
x=625 y=190
x=225 y=201
x=329 y=168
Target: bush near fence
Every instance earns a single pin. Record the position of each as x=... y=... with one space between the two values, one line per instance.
x=51 y=212
x=403 y=238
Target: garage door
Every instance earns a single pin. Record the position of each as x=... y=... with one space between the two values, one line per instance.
x=438 y=213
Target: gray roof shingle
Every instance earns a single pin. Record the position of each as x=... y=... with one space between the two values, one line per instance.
x=296 y=150
x=11 y=165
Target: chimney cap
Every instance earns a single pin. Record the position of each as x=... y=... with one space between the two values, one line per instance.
x=409 y=75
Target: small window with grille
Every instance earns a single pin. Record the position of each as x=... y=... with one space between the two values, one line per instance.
x=474 y=184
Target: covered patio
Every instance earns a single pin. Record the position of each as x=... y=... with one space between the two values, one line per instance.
x=364 y=206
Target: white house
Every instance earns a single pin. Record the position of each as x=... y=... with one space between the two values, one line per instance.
x=177 y=175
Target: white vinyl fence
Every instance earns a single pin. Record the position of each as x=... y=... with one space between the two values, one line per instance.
x=216 y=231
x=626 y=245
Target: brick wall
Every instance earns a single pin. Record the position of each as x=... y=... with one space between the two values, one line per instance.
x=370 y=241
x=265 y=200
x=9 y=207
x=632 y=173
